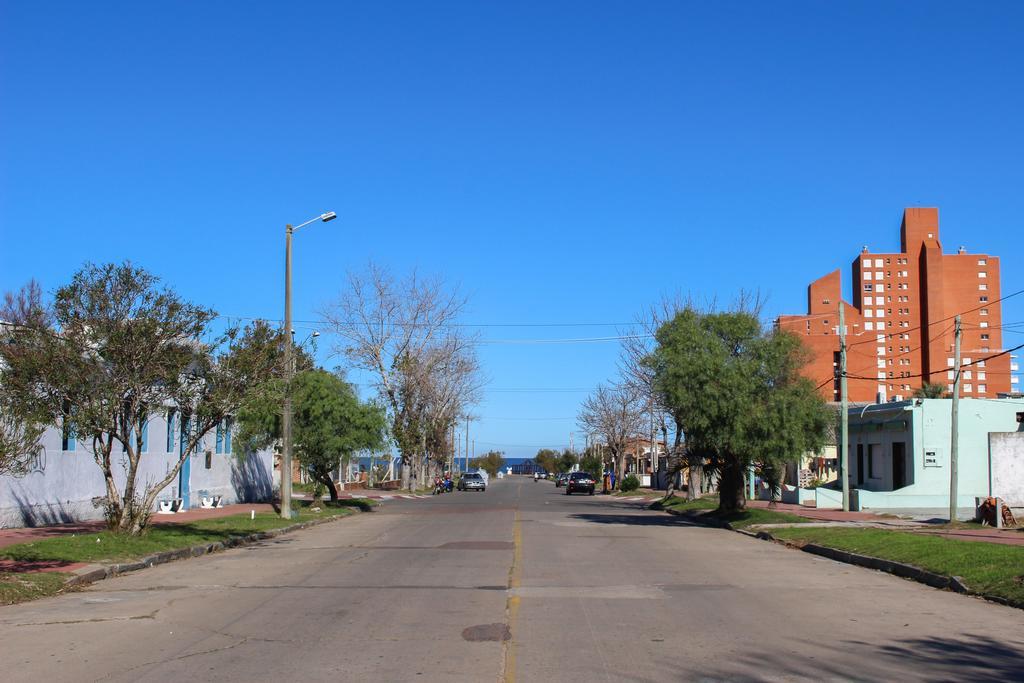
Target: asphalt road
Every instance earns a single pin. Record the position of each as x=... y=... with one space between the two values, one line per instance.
x=517 y=583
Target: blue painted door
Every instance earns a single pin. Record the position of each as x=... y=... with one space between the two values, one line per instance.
x=186 y=467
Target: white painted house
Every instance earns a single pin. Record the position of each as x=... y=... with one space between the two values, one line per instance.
x=64 y=479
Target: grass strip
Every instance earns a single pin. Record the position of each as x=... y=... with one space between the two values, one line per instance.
x=707 y=509
x=15 y=587
x=990 y=568
x=107 y=547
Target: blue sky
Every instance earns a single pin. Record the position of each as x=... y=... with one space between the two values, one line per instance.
x=562 y=162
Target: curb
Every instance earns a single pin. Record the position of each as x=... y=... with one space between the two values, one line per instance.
x=905 y=571
x=99 y=572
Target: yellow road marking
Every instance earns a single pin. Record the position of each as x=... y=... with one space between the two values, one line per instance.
x=512 y=603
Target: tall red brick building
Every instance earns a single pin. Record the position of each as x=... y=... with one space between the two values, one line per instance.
x=901 y=322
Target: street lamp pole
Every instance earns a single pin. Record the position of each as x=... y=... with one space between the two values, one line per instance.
x=289 y=366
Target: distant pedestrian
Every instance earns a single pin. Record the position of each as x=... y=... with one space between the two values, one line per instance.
x=613 y=479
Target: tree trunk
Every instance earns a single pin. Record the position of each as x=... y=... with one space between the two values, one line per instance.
x=406 y=474
x=731 y=496
x=695 y=477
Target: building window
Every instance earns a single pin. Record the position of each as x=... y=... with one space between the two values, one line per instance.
x=983 y=324
x=982 y=274
x=879 y=313
x=869 y=275
x=983 y=287
x=869 y=301
x=868 y=287
x=968 y=389
x=869 y=326
x=867 y=263
x=881 y=350
x=982 y=376
x=982 y=389
x=983 y=311
x=983 y=299
x=982 y=262
x=171 y=416
x=67 y=439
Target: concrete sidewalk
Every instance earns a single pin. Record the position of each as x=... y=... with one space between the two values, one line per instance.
x=1014 y=536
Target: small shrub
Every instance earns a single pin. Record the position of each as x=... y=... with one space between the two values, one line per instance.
x=629 y=483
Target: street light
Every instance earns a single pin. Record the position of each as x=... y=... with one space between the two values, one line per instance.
x=286 y=419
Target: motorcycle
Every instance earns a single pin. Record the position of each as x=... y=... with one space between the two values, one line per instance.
x=439 y=486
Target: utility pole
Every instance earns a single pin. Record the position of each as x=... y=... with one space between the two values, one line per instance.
x=467 y=445
x=844 y=417
x=955 y=426
x=653 y=450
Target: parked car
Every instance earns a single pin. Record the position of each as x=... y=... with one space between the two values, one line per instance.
x=471 y=481
x=579 y=482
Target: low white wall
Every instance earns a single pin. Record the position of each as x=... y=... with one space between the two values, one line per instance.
x=1006 y=467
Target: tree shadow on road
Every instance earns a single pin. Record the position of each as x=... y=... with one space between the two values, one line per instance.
x=635 y=519
x=973 y=657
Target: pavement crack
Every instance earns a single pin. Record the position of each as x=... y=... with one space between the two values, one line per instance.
x=95 y=620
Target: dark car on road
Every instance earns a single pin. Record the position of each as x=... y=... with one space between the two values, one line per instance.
x=560 y=479
x=579 y=482
x=471 y=481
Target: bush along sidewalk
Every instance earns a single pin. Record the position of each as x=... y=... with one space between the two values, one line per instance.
x=108 y=554
x=991 y=571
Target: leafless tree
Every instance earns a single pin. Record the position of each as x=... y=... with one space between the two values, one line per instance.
x=406 y=334
x=615 y=414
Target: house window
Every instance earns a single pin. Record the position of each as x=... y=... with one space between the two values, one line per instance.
x=983 y=287
x=868 y=287
x=171 y=419
x=982 y=376
x=869 y=301
x=145 y=433
x=869 y=275
x=983 y=299
x=968 y=389
x=224 y=436
x=869 y=326
x=982 y=388
x=878 y=263
x=869 y=313
x=984 y=337
x=982 y=262
x=983 y=324
x=983 y=311
x=67 y=439
x=982 y=274
x=879 y=313
x=881 y=350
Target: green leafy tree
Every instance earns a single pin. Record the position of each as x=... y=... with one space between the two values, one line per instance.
x=114 y=347
x=330 y=424
x=931 y=390
x=591 y=462
x=547 y=459
x=737 y=394
x=567 y=460
x=491 y=462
